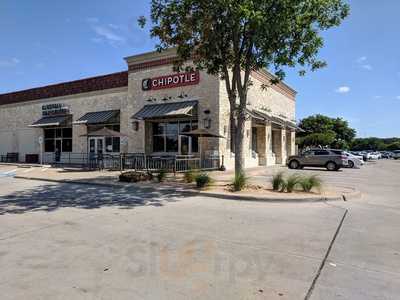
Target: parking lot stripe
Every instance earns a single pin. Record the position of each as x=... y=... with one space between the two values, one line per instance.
x=311 y=289
x=9 y=172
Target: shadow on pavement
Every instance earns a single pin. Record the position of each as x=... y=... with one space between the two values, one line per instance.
x=51 y=197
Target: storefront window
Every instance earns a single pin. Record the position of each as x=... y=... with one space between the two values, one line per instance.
x=58 y=137
x=166 y=136
x=66 y=145
x=49 y=145
x=112 y=144
x=171 y=143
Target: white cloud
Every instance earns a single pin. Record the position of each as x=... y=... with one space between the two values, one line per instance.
x=110 y=33
x=377 y=97
x=9 y=62
x=361 y=59
x=367 y=67
x=398 y=97
x=342 y=89
x=113 y=26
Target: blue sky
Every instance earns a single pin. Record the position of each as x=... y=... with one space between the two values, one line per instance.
x=47 y=41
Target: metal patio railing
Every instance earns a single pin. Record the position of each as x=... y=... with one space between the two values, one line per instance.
x=132 y=161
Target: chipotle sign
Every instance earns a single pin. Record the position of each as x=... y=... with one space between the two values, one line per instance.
x=171 y=81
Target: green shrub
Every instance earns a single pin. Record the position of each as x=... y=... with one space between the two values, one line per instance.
x=189 y=176
x=310 y=182
x=278 y=182
x=203 y=180
x=162 y=174
x=239 y=182
x=291 y=183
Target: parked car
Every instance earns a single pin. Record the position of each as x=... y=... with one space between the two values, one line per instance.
x=327 y=158
x=354 y=161
x=396 y=154
x=386 y=154
x=375 y=156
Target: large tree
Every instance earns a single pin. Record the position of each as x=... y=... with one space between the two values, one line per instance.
x=325 y=131
x=231 y=38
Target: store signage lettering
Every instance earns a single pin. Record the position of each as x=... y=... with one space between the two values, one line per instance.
x=54 y=109
x=171 y=81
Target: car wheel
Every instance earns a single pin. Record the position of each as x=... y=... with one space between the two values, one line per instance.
x=294 y=164
x=351 y=164
x=332 y=166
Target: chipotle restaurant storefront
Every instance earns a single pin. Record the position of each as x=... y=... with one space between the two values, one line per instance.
x=148 y=109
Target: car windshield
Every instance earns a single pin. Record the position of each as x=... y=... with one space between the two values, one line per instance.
x=339 y=152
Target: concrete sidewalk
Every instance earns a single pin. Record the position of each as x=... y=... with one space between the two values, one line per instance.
x=259 y=176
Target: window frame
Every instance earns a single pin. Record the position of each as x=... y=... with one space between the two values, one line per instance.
x=57 y=134
x=165 y=133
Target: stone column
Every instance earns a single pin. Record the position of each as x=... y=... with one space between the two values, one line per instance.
x=283 y=147
x=277 y=145
x=291 y=142
x=262 y=146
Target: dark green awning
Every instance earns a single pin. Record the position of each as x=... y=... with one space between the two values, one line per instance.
x=52 y=121
x=98 y=117
x=176 y=109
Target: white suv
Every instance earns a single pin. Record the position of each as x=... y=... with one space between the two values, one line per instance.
x=396 y=154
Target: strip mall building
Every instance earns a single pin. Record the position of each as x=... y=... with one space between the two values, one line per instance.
x=153 y=107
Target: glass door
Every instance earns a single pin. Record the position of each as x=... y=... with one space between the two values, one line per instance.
x=185 y=145
x=96 y=145
x=57 y=150
x=100 y=146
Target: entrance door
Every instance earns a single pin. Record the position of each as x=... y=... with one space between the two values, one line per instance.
x=185 y=145
x=58 y=150
x=58 y=146
x=96 y=145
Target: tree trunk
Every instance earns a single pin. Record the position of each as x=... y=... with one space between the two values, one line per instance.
x=239 y=145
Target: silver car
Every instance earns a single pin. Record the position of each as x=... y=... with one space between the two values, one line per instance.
x=332 y=160
x=396 y=154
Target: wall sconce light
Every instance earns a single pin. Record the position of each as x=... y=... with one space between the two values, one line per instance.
x=135 y=125
x=207 y=123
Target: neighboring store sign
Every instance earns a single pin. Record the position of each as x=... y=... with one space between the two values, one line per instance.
x=54 y=109
x=171 y=81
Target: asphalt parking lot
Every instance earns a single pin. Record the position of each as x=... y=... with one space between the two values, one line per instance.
x=67 y=241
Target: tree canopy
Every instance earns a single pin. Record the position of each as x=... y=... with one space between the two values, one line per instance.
x=325 y=131
x=257 y=34
x=232 y=38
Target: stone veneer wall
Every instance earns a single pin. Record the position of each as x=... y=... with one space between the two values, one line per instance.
x=17 y=136
x=206 y=92
x=276 y=101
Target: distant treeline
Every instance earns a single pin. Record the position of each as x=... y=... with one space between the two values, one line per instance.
x=320 y=130
x=376 y=144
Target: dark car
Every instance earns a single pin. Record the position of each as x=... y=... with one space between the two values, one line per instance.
x=330 y=159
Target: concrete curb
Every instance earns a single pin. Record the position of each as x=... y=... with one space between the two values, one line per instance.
x=270 y=199
x=355 y=194
x=25 y=165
